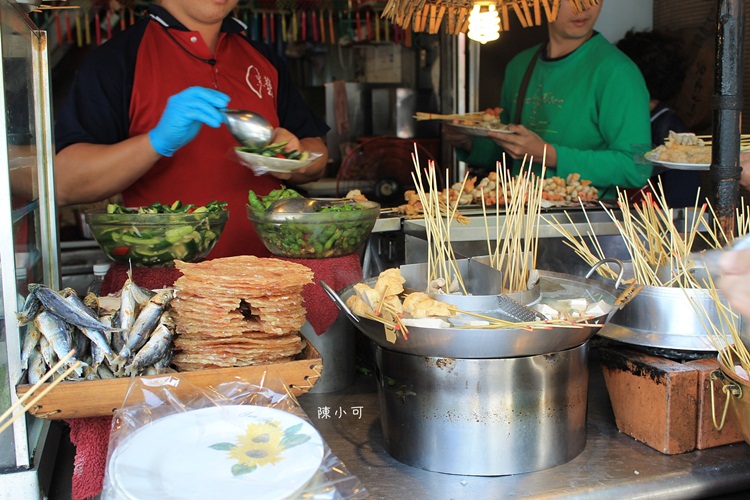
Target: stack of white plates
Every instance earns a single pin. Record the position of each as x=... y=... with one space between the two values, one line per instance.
x=217 y=452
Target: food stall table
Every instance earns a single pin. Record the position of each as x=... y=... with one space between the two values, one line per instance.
x=612 y=465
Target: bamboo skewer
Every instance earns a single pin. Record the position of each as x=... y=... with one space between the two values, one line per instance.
x=35 y=387
x=419 y=116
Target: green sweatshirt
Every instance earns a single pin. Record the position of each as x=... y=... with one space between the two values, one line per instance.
x=592 y=105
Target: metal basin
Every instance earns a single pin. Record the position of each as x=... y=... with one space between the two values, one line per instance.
x=482 y=343
x=484 y=416
x=482 y=281
x=664 y=317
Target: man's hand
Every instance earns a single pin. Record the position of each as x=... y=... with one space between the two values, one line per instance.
x=525 y=142
x=183 y=117
x=309 y=173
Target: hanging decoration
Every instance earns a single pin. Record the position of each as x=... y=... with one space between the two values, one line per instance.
x=282 y=23
x=455 y=15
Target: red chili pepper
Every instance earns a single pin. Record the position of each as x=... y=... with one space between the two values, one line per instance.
x=120 y=251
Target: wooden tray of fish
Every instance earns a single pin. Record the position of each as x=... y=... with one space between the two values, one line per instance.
x=97 y=398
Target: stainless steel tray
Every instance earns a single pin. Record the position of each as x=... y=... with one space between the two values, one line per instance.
x=482 y=343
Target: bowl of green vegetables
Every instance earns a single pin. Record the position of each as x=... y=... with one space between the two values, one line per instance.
x=158 y=234
x=274 y=158
x=335 y=228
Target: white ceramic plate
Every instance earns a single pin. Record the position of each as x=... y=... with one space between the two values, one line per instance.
x=478 y=131
x=269 y=164
x=653 y=158
x=218 y=452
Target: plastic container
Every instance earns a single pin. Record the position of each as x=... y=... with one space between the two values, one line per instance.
x=100 y=271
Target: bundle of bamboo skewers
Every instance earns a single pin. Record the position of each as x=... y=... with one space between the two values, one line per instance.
x=421 y=116
x=659 y=248
x=517 y=239
x=439 y=213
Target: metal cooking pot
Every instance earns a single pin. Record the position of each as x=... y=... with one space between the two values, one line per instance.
x=484 y=416
x=665 y=318
x=483 y=343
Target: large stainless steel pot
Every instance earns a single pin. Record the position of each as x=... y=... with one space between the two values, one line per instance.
x=484 y=343
x=484 y=416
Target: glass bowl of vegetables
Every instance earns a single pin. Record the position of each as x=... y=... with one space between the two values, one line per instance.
x=157 y=235
x=334 y=229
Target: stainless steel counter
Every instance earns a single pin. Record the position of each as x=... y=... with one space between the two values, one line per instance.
x=613 y=465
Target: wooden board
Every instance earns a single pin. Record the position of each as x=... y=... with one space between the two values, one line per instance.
x=97 y=398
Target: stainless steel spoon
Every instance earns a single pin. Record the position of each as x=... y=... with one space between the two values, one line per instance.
x=250 y=129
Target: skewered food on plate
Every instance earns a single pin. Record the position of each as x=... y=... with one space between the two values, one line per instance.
x=489 y=118
x=681 y=148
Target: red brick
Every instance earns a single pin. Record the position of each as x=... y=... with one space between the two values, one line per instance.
x=654 y=403
x=654 y=399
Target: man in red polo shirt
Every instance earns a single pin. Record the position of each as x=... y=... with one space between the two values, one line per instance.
x=143 y=117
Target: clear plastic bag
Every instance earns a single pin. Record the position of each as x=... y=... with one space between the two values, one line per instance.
x=238 y=439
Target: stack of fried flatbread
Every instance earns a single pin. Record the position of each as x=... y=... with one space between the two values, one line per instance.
x=238 y=311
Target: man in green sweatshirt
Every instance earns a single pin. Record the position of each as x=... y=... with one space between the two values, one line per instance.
x=585 y=100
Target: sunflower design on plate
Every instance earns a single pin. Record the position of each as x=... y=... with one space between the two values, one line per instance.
x=261 y=444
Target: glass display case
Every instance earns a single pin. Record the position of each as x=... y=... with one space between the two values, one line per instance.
x=28 y=232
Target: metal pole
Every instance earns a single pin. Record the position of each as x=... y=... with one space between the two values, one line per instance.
x=727 y=105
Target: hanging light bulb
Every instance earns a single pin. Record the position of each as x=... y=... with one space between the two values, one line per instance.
x=484 y=22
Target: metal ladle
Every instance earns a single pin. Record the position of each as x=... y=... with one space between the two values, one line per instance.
x=294 y=205
x=250 y=129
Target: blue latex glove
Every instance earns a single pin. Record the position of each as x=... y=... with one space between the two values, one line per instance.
x=183 y=117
